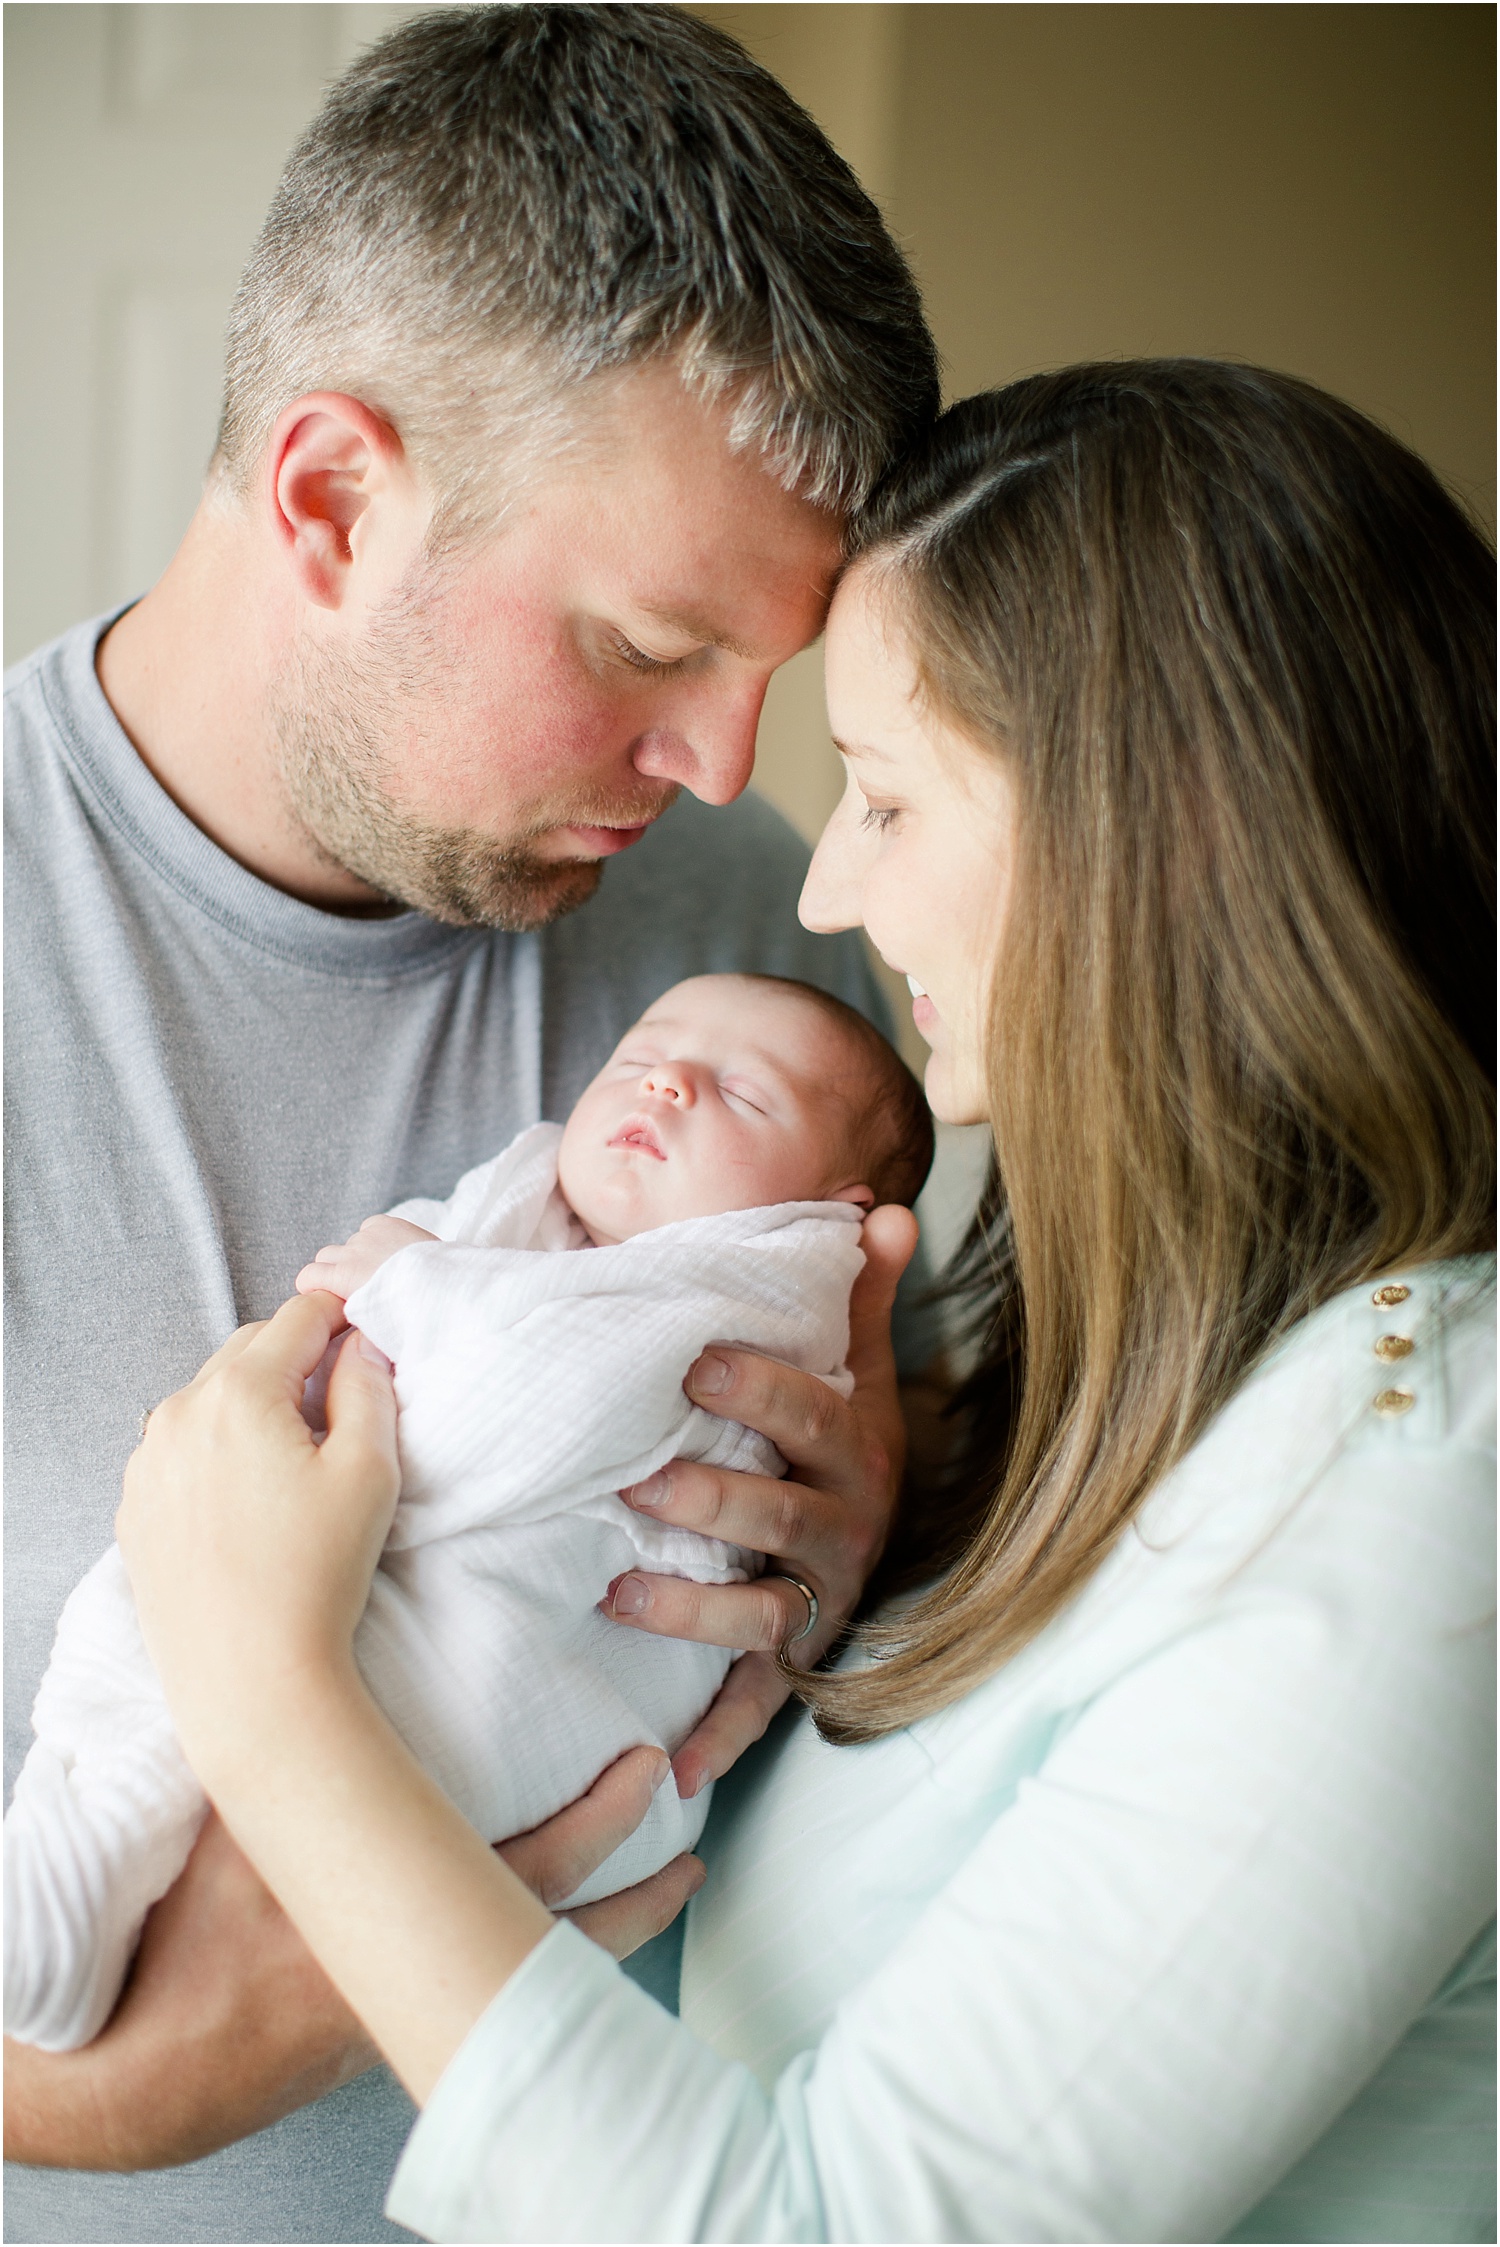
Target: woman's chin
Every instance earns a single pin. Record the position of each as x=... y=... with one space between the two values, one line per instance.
x=951 y=1099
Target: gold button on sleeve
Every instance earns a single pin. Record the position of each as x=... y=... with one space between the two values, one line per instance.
x=1392 y=1346
x=1392 y=1402
x=1389 y=1295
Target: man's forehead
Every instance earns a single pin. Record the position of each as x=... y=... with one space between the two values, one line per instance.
x=642 y=426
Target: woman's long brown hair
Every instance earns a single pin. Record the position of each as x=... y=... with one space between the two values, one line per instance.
x=1236 y=644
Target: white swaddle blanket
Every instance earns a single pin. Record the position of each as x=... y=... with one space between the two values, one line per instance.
x=532 y=1387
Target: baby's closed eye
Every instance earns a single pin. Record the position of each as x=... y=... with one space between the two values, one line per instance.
x=748 y=1096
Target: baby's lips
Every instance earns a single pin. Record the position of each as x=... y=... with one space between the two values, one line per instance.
x=639 y=1131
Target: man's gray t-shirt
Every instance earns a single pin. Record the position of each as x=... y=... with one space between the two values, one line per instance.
x=206 y=1081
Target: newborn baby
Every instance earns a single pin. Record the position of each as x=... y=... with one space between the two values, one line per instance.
x=711 y=1180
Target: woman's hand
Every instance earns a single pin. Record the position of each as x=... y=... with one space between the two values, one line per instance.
x=250 y=1547
x=251 y=1550
x=826 y=1524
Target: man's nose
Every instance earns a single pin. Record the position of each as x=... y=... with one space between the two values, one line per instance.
x=710 y=750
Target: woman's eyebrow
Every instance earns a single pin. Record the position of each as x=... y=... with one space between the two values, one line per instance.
x=863 y=750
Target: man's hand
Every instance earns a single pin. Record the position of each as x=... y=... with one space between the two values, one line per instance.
x=558 y=1857
x=345 y=1266
x=227 y=2023
x=826 y=1524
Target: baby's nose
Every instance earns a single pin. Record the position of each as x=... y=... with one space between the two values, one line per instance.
x=669 y=1084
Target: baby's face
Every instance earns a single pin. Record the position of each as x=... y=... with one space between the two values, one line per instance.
x=726 y=1095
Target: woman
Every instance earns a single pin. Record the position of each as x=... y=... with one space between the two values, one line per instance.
x=1136 y=1843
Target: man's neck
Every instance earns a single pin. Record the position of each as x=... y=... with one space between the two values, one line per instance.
x=187 y=672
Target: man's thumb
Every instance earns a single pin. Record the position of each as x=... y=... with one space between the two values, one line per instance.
x=889 y=1240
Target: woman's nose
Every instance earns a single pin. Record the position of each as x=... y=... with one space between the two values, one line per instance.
x=830 y=897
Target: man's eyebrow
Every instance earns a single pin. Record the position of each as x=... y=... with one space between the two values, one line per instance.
x=693 y=624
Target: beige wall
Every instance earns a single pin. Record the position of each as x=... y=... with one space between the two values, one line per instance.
x=1308 y=186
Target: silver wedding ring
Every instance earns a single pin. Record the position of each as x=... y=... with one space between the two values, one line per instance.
x=811 y=1598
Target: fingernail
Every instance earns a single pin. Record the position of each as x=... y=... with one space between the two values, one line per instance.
x=712 y=1375
x=687 y=1786
x=654 y=1491
x=367 y=1349
x=631 y=1595
x=662 y=1775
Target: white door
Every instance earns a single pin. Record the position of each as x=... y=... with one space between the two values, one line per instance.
x=142 y=144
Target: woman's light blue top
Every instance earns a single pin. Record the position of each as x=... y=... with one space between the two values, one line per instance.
x=1172 y=1930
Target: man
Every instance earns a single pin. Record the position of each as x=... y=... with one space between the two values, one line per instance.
x=567 y=348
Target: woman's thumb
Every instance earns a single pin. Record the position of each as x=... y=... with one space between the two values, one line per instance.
x=362 y=1400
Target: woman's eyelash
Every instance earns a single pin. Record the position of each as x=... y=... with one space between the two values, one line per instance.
x=878 y=816
x=657 y=666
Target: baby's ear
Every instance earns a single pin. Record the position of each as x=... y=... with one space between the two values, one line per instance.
x=861 y=1196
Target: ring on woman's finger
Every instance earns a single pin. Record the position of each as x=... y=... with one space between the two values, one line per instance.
x=811 y=1598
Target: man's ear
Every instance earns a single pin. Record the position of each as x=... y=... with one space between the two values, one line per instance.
x=861 y=1196
x=331 y=466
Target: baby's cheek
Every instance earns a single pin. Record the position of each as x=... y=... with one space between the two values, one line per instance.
x=572 y=1167
x=806 y=1167
x=585 y=1175
x=764 y=1173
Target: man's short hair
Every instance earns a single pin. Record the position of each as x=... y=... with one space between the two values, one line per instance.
x=496 y=203
x=891 y=1138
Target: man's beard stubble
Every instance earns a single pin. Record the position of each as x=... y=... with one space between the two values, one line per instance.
x=332 y=745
